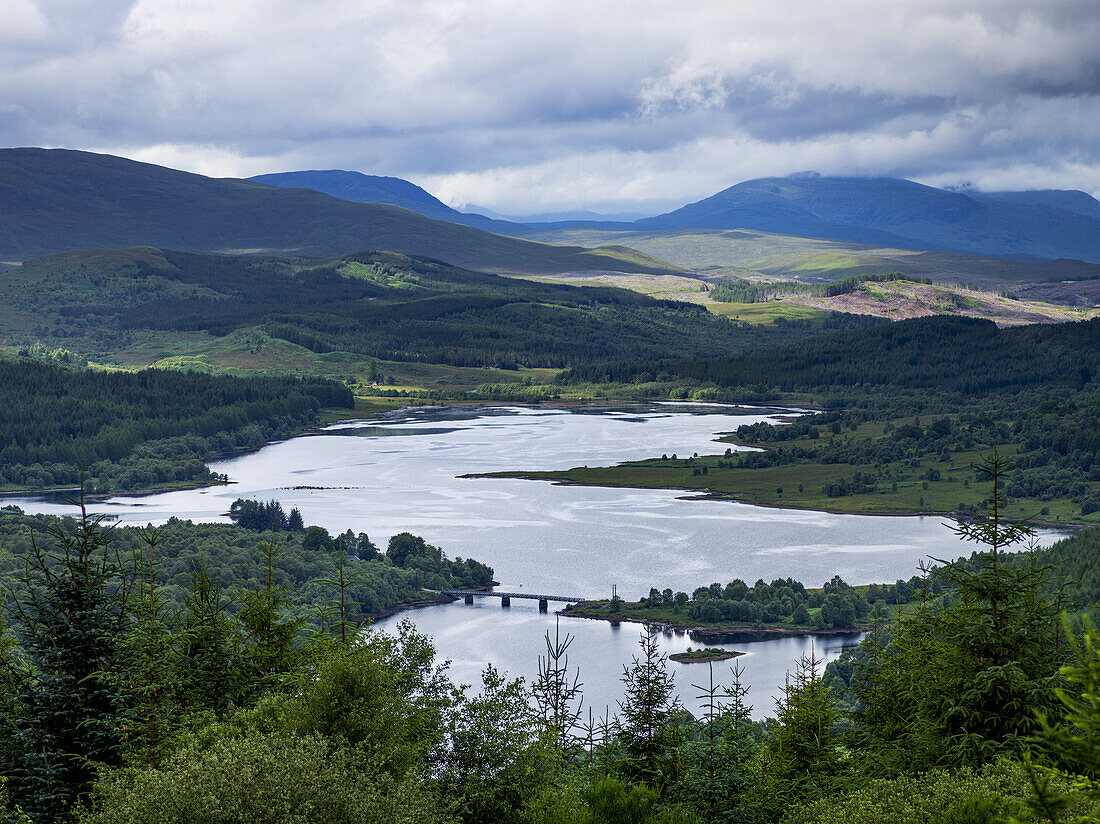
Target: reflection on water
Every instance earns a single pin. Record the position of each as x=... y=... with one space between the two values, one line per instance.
x=402 y=473
x=471 y=636
x=540 y=536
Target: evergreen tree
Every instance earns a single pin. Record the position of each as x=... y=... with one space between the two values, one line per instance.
x=557 y=694
x=644 y=728
x=803 y=754
x=719 y=781
x=149 y=665
x=960 y=678
x=213 y=667
x=270 y=637
x=63 y=713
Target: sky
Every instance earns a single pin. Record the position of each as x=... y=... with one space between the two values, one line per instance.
x=524 y=106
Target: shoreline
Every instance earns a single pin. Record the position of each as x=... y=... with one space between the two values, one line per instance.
x=436 y=600
x=319 y=429
x=704 y=494
x=717 y=634
x=99 y=497
x=695 y=658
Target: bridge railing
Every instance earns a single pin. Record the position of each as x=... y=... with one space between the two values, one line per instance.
x=490 y=593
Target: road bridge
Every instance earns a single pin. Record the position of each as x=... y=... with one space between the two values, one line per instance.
x=506 y=597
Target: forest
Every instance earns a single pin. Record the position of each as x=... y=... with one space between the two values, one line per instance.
x=234 y=557
x=123 y=703
x=133 y=430
x=936 y=388
x=383 y=305
x=948 y=358
x=782 y=603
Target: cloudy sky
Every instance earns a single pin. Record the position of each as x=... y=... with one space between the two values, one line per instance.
x=529 y=105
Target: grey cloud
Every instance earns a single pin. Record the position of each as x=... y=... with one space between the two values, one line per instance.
x=647 y=99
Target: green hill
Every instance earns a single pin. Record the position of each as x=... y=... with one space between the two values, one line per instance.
x=371 y=305
x=54 y=200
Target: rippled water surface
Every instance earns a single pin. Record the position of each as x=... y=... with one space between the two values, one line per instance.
x=403 y=474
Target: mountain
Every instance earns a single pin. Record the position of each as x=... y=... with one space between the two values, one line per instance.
x=59 y=200
x=897 y=213
x=360 y=188
x=1069 y=199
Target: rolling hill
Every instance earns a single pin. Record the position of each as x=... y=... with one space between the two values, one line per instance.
x=378 y=305
x=54 y=200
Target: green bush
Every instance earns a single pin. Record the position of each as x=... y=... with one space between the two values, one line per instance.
x=260 y=778
x=955 y=797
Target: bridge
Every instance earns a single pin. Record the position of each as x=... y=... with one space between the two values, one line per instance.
x=506 y=597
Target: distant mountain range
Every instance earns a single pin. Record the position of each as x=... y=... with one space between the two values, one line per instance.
x=54 y=200
x=891 y=212
x=902 y=214
x=360 y=188
x=57 y=200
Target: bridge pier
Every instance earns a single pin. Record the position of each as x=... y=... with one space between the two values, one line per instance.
x=505 y=602
x=544 y=605
x=469 y=599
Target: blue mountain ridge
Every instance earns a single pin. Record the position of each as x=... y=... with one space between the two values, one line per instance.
x=882 y=211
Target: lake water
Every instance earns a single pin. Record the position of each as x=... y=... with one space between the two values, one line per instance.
x=401 y=473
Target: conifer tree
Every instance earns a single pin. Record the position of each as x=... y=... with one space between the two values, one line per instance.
x=212 y=673
x=149 y=665
x=269 y=635
x=63 y=718
x=644 y=728
x=804 y=752
x=557 y=693
x=960 y=678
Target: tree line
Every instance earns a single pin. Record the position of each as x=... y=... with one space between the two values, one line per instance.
x=738 y=290
x=227 y=554
x=125 y=430
x=941 y=354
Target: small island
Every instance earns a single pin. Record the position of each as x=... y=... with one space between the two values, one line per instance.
x=702 y=656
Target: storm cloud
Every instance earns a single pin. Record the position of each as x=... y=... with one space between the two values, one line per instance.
x=524 y=106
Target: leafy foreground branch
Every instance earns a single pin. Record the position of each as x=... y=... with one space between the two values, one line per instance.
x=978 y=704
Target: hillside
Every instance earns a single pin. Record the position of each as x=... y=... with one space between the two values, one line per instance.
x=55 y=200
x=125 y=430
x=339 y=315
x=897 y=300
x=1069 y=199
x=898 y=213
x=751 y=253
x=942 y=354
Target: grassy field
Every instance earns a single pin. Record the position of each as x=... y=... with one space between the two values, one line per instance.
x=908 y=489
x=894 y=300
x=753 y=254
x=764 y=313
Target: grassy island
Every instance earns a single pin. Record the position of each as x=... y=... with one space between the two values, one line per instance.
x=702 y=656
